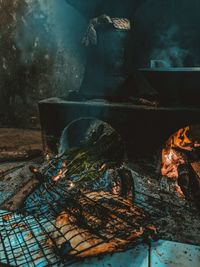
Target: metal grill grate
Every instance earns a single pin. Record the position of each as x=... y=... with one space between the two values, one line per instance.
x=30 y=236
x=25 y=237
x=23 y=241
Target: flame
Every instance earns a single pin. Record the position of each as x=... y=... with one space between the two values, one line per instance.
x=171 y=159
x=181 y=140
x=58 y=176
x=172 y=155
x=61 y=173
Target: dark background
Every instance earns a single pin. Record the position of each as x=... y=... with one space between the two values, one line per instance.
x=41 y=54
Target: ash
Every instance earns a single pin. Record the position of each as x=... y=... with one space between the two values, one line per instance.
x=175 y=218
x=178 y=219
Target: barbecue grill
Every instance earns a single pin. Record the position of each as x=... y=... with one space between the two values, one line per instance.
x=26 y=233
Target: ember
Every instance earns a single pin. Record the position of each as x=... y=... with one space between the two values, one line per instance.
x=85 y=204
x=86 y=197
x=180 y=151
x=173 y=155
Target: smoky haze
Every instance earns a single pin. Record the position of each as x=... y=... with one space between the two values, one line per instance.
x=168 y=30
x=46 y=46
x=164 y=30
x=53 y=29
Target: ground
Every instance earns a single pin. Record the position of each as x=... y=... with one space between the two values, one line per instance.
x=176 y=219
x=19 y=144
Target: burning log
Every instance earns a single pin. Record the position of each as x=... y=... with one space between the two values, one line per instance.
x=195 y=183
x=181 y=140
x=177 y=164
x=176 y=153
x=174 y=161
x=184 y=179
x=173 y=154
x=189 y=181
x=171 y=159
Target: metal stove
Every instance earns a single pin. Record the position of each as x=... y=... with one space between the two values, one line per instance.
x=144 y=129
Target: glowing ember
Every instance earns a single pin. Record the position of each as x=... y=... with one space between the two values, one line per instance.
x=71 y=184
x=179 y=191
x=33 y=169
x=60 y=172
x=174 y=155
x=103 y=167
x=171 y=159
x=57 y=177
x=7 y=217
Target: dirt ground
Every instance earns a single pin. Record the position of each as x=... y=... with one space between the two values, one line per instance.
x=176 y=219
x=20 y=139
x=19 y=144
x=18 y=147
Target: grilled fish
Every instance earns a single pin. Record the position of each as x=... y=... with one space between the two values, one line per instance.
x=96 y=223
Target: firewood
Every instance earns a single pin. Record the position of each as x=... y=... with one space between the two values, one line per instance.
x=19 y=155
x=18 y=199
x=195 y=182
x=184 y=178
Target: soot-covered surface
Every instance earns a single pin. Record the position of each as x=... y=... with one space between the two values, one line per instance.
x=175 y=219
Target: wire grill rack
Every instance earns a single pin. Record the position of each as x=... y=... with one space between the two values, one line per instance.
x=29 y=237
x=25 y=235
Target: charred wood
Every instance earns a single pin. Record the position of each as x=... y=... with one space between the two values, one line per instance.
x=19 y=155
x=184 y=178
x=195 y=182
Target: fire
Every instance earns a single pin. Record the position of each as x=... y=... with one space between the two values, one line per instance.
x=58 y=176
x=61 y=173
x=171 y=159
x=172 y=154
x=181 y=140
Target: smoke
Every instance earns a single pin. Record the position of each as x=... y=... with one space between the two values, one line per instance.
x=169 y=50
x=52 y=31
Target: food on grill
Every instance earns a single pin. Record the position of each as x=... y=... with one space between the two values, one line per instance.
x=98 y=222
x=87 y=157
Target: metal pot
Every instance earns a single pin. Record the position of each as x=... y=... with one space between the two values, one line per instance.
x=175 y=86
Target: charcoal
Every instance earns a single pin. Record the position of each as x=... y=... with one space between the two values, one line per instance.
x=184 y=179
x=195 y=182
